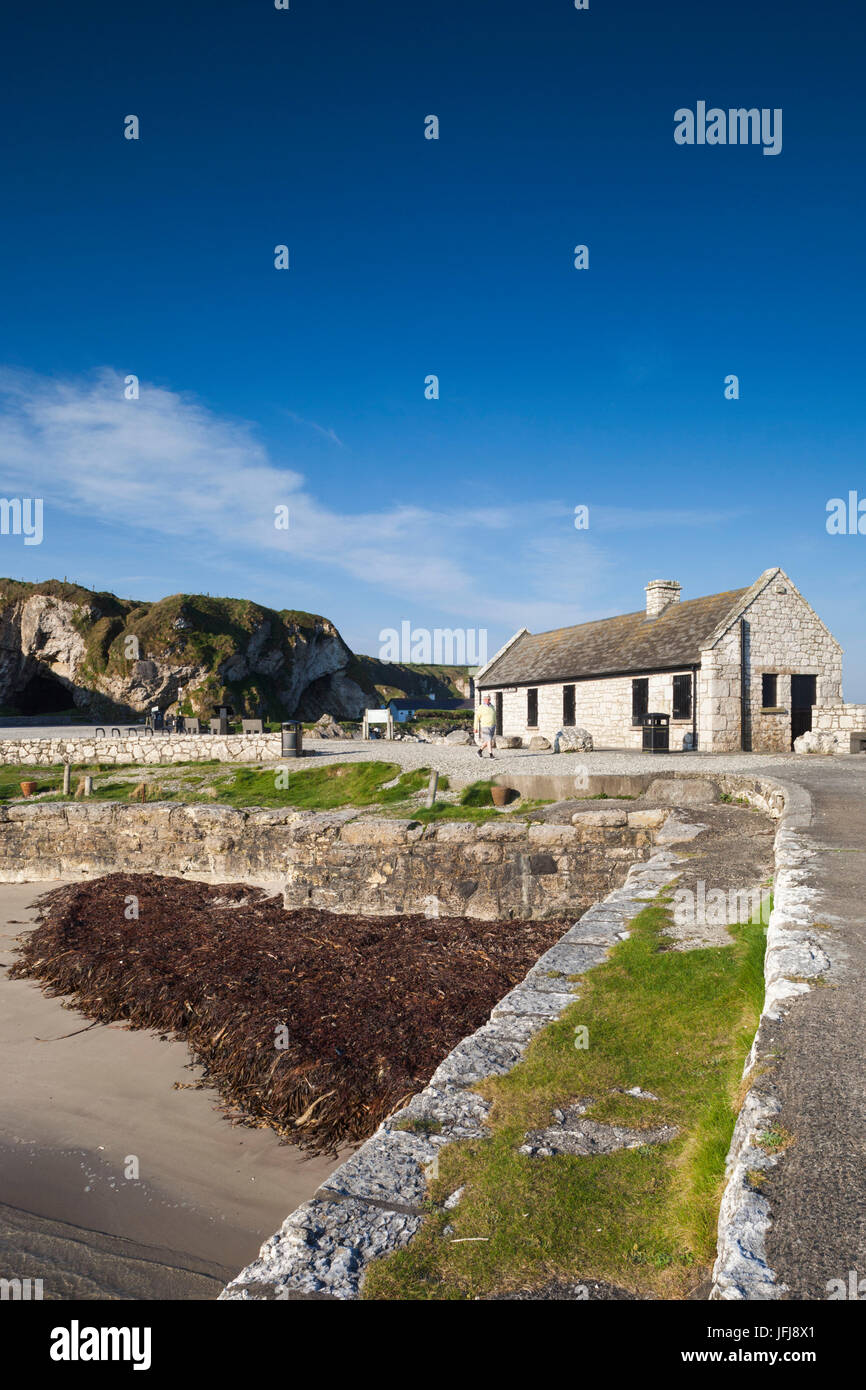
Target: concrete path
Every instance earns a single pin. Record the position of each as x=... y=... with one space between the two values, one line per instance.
x=817 y=1191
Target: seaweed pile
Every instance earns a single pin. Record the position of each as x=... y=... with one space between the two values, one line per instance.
x=317 y=1024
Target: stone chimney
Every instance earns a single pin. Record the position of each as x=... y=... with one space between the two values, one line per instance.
x=660 y=594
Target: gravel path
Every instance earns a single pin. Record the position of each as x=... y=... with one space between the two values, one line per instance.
x=463 y=765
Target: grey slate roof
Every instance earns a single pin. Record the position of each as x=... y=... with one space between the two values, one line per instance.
x=630 y=643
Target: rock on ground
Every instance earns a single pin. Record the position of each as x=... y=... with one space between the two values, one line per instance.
x=574 y=740
x=814 y=741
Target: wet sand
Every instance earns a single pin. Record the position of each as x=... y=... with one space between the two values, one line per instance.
x=113 y=1184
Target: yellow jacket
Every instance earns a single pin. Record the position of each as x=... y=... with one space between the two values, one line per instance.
x=485 y=718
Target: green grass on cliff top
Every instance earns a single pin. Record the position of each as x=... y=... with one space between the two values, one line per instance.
x=676 y=1023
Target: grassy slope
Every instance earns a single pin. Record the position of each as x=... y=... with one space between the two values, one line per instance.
x=315 y=789
x=677 y=1023
x=318 y=789
x=212 y=630
x=394 y=680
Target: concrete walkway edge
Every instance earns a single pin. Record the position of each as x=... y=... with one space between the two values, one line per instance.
x=793 y=956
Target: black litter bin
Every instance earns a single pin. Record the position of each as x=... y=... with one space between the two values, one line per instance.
x=293 y=739
x=656 y=733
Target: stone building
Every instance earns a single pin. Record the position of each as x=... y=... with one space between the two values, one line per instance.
x=746 y=669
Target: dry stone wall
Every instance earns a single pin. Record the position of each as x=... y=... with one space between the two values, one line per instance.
x=334 y=860
x=840 y=719
x=158 y=748
x=488 y=871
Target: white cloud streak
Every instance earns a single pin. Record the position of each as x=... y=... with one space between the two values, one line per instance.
x=167 y=465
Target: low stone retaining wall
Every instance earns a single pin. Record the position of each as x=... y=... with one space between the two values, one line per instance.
x=795 y=956
x=156 y=748
x=491 y=870
x=839 y=718
x=334 y=860
x=680 y=788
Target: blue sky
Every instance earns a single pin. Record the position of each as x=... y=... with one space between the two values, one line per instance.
x=558 y=387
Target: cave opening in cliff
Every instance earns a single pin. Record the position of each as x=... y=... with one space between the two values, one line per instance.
x=43 y=695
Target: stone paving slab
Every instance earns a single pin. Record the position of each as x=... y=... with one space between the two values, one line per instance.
x=573 y=1134
x=323 y=1248
x=538 y=1003
x=458 y=1114
x=389 y=1169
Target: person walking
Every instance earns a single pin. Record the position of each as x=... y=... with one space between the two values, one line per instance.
x=485 y=726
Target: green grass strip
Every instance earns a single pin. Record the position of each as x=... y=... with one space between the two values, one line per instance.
x=676 y=1023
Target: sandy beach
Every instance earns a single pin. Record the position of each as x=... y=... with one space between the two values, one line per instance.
x=113 y=1183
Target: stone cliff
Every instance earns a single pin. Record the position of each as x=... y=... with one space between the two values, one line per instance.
x=64 y=647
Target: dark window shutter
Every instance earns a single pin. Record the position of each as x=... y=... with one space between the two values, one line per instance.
x=682 y=697
x=768 y=692
x=639 y=700
x=568 y=706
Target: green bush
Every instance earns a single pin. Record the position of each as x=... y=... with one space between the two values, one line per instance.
x=462 y=715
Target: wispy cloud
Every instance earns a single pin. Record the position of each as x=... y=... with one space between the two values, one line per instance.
x=165 y=466
x=325 y=431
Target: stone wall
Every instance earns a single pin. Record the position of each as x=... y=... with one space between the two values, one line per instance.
x=840 y=718
x=334 y=860
x=158 y=748
x=488 y=870
x=784 y=637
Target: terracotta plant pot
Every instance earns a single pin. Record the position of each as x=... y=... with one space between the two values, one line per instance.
x=500 y=795
x=29 y=788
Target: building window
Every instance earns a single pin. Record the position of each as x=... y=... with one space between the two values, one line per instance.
x=682 y=697
x=568 y=706
x=639 y=700
x=768 y=692
x=532 y=709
